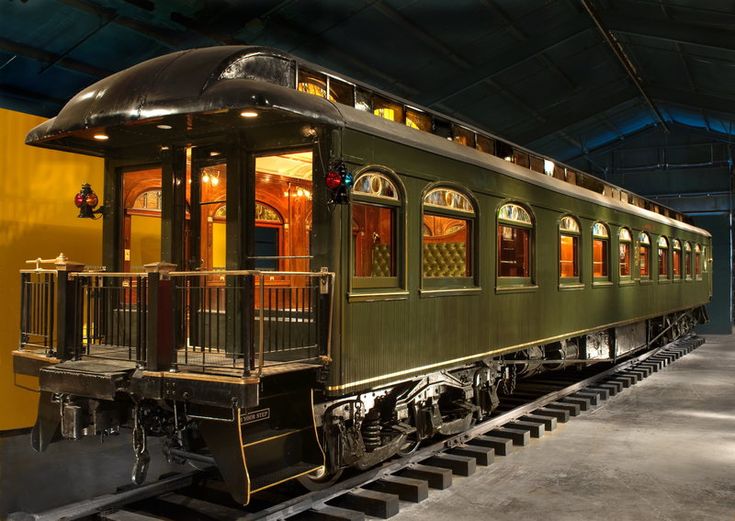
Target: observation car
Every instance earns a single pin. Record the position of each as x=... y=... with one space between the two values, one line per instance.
x=305 y=274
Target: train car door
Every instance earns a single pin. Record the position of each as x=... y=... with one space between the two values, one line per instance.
x=141 y=228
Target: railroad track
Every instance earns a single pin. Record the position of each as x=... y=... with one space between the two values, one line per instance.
x=534 y=409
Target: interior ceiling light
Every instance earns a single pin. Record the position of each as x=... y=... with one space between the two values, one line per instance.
x=249 y=114
x=101 y=137
x=164 y=127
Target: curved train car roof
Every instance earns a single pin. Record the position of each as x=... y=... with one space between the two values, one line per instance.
x=219 y=80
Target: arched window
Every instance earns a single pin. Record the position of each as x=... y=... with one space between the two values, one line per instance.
x=600 y=252
x=375 y=230
x=688 y=260
x=624 y=257
x=148 y=200
x=644 y=254
x=447 y=234
x=515 y=227
x=676 y=258
x=663 y=258
x=697 y=260
x=568 y=249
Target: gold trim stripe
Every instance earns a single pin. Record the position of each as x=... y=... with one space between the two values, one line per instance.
x=495 y=352
x=287 y=479
x=248 y=492
x=265 y=440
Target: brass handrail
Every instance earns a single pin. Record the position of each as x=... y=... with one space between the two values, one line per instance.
x=110 y=274
x=265 y=273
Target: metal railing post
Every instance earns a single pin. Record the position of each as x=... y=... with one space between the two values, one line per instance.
x=68 y=314
x=24 y=304
x=160 y=320
x=261 y=325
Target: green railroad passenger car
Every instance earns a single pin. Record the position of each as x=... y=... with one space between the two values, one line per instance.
x=305 y=274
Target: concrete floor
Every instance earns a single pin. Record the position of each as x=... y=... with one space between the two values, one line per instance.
x=662 y=450
x=67 y=471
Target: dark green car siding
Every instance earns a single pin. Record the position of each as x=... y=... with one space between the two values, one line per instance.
x=396 y=337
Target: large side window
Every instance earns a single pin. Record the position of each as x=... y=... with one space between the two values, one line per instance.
x=375 y=221
x=624 y=245
x=644 y=255
x=698 y=261
x=568 y=249
x=448 y=225
x=688 y=260
x=515 y=229
x=676 y=258
x=600 y=252
x=663 y=258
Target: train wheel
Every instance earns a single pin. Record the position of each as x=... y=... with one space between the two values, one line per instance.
x=319 y=479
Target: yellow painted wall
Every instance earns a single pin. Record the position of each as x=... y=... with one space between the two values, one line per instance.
x=37 y=219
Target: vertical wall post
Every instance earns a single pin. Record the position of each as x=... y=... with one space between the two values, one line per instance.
x=160 y=334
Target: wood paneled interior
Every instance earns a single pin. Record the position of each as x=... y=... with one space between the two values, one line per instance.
x=372 y=225
x=289 y=197
x=568 y=262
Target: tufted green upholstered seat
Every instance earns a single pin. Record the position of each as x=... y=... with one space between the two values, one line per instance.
x=445 y=259
x=381 y=261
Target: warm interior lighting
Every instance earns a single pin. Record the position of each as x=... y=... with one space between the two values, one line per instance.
x=164 y=127
x=548 y=167
x=214 y=153
x=249 y=114
x=386 y=113
x=101 y=137
x=205 y=178
x=508 y=158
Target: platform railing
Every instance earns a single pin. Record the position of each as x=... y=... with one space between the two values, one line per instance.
x=38 y=310
x=224 y=321
x=111 y=315
x=251 y=320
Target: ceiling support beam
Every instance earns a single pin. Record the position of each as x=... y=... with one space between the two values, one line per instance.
x=29 y=102
x=573 y=111
x=612 y=145
x=672 y=31
x=625 y=62
x=500 y=63
x=693 y=100
x=421 y=34
x=439 y=46
x=521 y=36
x=48 y=57
x=173 y=39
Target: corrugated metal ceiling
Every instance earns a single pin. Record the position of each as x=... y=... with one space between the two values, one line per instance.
x=537 y=72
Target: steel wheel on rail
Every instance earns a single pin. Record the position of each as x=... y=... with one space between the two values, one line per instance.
x=319 y=479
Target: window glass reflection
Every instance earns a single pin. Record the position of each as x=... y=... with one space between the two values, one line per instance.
x=373 y=230
x=513 y=251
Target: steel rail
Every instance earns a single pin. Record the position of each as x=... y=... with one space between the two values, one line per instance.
x=114 y=500
x=317 y=499
x=314 y=499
